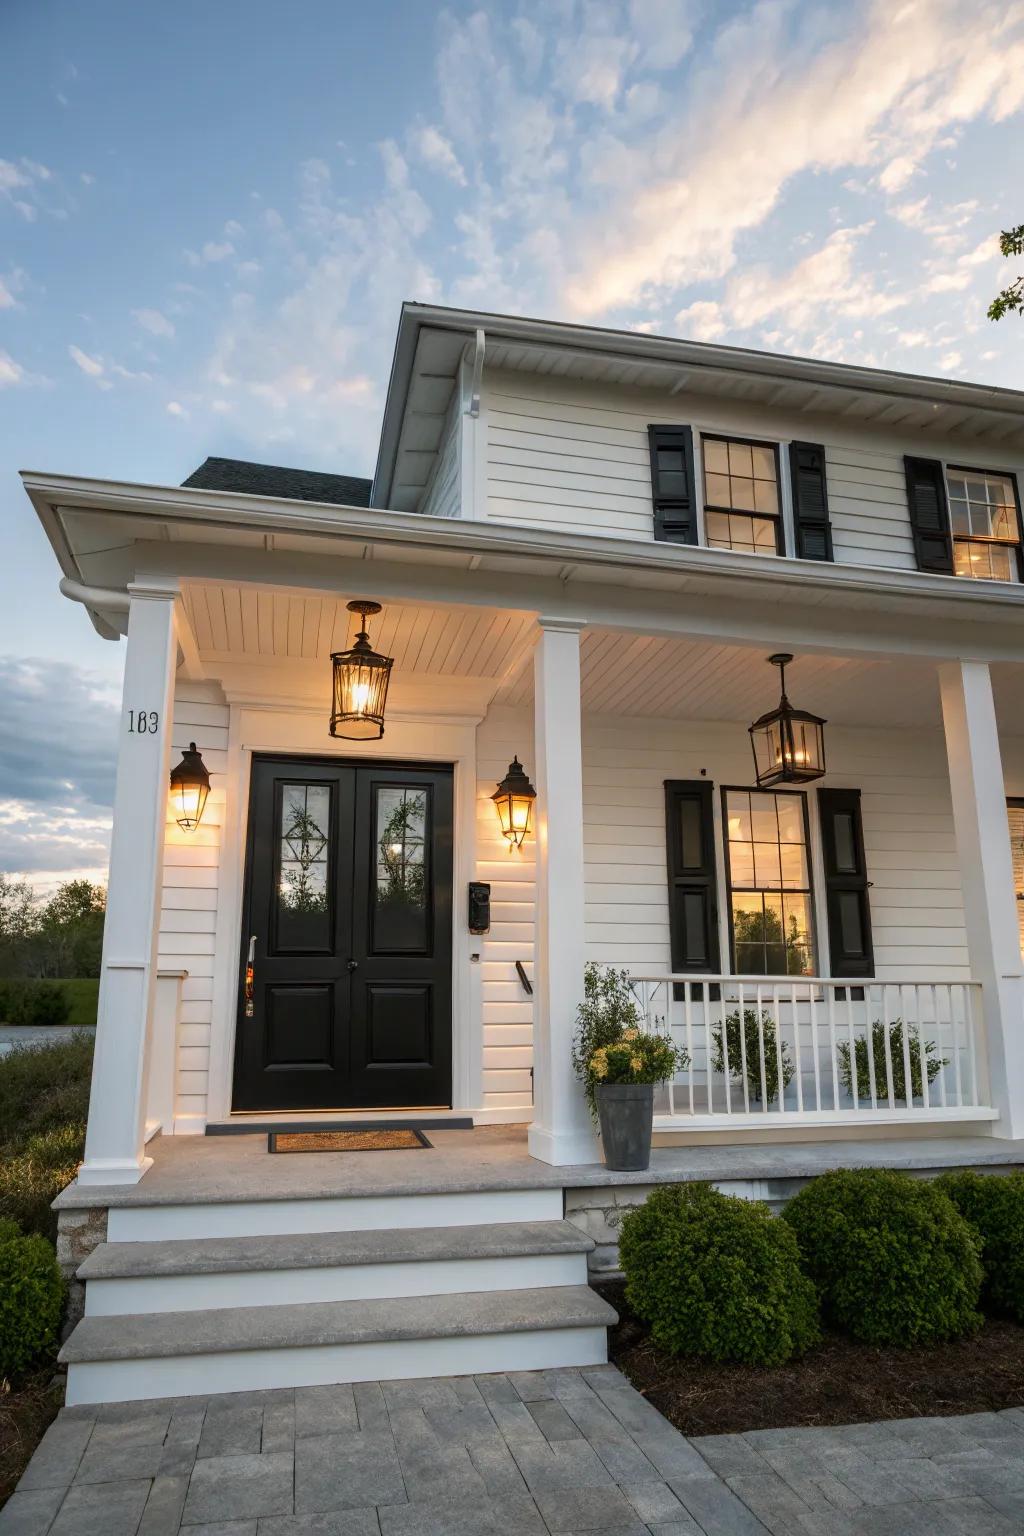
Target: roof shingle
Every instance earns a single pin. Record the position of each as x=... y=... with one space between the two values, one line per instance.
x=275 y=480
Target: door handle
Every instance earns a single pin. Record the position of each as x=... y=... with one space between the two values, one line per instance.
x=250 y=974
x=353 y=965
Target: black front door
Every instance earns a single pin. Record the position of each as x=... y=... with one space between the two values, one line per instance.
x=345 y=994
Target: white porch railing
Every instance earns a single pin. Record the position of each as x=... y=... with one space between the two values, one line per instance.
x=763 y=1050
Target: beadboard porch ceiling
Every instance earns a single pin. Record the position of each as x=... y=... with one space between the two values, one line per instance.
x=289 y=638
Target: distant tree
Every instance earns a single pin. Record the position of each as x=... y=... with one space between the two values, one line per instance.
x=68 y=933
x=17 y=924
x=1011 y=243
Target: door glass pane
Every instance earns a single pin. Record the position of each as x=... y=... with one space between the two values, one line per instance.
x=400 y=836
x=303 y=884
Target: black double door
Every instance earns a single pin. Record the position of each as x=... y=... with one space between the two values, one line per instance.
x=345 y=988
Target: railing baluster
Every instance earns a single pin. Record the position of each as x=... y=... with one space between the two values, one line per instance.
x=707 y=1046
x=760 y=1051
x=688 y=1010
x=908 y=1081
x=796 y=1049
x=922 y=1049
x=955 y=1030
x=743 y=1053
x=725 y=1050
x=854 y=1082
x=887 y=1048
x=869 y=1036
x=833 y=1044
x=938 y=1040
x=780 y=1086
x=814 y=1047
x=972 y=1053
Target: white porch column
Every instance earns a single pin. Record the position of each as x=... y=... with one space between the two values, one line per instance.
x=115 y=1139
x=986 y=873
x=561 y=1131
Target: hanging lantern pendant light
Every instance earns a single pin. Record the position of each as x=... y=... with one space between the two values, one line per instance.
x=361 y=677
x=788 y=743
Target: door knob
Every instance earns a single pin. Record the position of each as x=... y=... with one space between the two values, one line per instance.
x=353 y=965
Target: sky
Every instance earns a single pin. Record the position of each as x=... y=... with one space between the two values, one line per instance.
x=210 y=214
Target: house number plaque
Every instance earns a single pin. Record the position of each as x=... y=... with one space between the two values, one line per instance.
x=143 y=722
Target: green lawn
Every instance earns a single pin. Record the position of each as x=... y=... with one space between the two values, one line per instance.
x=82 y=994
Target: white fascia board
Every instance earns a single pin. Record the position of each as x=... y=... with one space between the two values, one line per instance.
x=673 y=352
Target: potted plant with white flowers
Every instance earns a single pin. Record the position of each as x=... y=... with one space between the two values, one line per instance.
x=619 y=1064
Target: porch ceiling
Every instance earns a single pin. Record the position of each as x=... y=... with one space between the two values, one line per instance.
x=683 y=680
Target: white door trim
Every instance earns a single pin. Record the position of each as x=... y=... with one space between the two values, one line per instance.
x=300 y=729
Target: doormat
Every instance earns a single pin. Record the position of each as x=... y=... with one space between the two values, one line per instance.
x=399 y=1139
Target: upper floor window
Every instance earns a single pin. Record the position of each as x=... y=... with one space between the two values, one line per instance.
x=986 y=526
x=741 y=496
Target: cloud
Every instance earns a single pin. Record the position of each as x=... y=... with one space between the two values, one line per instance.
x=435 y=151
x=174 y=408
x=89 y=365
x=10 y=371
x=212 y=252
x=56 y=788
x=7 y=299
x=897 y=173
x=153 y=321
x=702 y=321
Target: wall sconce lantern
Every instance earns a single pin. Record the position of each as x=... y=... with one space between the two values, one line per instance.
x=190 y=785
x=788 y=743
x=361 y=677
x=514 y=799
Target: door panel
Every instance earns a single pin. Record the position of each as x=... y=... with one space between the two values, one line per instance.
x=348 y=902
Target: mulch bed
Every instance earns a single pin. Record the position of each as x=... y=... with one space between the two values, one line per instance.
x=25 y=1415
x=839 y=1382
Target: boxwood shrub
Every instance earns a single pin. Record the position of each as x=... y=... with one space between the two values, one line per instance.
x=892 y=1257
x=716 y=1276
x=31 y=1300
x=994 y=1206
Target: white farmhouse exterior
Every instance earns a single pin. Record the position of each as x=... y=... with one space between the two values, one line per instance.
x=586 y=544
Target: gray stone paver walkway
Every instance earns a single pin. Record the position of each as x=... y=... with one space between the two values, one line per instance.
x=544 y=1453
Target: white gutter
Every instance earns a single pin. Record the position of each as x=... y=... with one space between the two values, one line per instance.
x=109 y=599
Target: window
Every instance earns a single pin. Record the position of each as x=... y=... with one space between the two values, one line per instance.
x=741 y=496
x=769 y=879
x=986 y=525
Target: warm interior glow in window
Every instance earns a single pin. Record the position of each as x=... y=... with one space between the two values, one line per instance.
x=983 y=514
x=769 y=879
x=741 y=496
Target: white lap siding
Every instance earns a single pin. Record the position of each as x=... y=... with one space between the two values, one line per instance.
x=507 y=1010
x=916 y=904
x=574 y=456
x=190 y=891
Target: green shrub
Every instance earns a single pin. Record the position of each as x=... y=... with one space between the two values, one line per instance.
x=893 y=1259
x=933 y=1063
x=751 y=1044
x=44 y=1085
x=32 y=1177
x=31 y=1300
x=717 y=1277
x=33 y=1002
x=994 y=1206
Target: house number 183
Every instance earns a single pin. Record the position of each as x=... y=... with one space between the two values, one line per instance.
x=143 y=722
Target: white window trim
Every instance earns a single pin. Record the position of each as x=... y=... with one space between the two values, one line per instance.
x=1002 y=474
x=703 y=430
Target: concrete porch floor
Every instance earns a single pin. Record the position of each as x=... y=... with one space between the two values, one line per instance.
x=220 y=1169
x=543 y=1453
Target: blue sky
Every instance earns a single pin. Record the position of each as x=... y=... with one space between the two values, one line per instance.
x=210 y=214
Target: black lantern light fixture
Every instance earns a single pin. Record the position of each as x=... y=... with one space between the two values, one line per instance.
x=514 y=799
x=788 y=743
x=361 y=677
x=190 y=785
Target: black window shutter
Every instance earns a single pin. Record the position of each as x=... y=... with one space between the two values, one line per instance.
x=672 y=484
x=846 y=883
x=810 y=501
x=692 y=882
x=929 y=515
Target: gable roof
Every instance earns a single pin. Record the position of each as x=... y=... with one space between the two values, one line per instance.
x=275 y=480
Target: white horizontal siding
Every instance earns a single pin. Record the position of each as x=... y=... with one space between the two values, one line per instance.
x=507 y=1046
x=442 y=497
x=188 y=912
x=574 y=456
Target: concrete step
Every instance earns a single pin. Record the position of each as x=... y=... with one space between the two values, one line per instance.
x=170 y=1354
x=212 y=1217
x=210 y=1273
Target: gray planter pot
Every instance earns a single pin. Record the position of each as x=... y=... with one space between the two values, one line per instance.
x=626 y=1112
